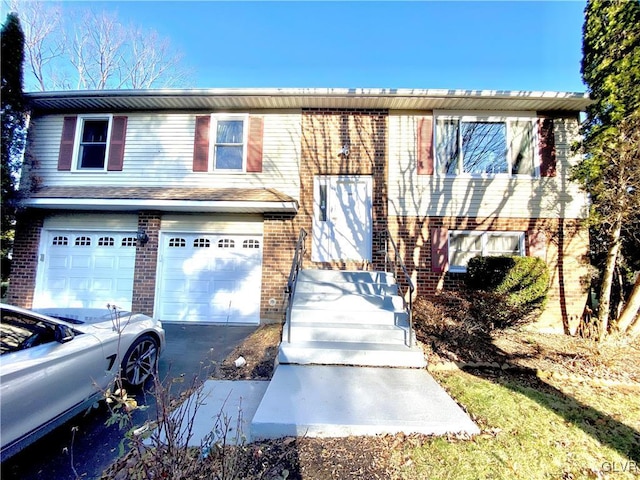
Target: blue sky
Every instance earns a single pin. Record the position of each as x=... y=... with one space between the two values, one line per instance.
x=507 y=45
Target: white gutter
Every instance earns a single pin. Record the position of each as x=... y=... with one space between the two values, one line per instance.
x=162 y=205
x=311 y=92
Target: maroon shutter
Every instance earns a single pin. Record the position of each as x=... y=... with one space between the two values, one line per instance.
x=546 y=147
x=254 y=152
x=439 y=249
x=537 y=243
x=116 y=145
x=66 y=143
x=425 y=146
x=201 y=144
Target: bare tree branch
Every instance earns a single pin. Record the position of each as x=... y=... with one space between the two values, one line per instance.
x=44 y=38
x=99 y=53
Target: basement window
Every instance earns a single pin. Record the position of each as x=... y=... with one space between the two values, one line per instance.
x=464 y=245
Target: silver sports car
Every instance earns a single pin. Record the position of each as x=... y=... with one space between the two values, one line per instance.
x=55 y=362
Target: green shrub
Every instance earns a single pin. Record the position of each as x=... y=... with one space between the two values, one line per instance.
x=516 y=287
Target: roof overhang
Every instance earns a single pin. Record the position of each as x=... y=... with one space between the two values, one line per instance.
x=300 y=98
x=164 y=200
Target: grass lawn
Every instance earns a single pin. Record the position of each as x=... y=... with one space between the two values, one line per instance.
x=532 y=429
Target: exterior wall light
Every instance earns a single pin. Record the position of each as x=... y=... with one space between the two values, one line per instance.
x=142 y=236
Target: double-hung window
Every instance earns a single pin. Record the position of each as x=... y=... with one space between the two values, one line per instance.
x=485 y=145
x=230 y=140
x=92 y=142
x=464 y=245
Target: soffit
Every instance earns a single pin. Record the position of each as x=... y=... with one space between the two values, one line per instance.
x=250 y=99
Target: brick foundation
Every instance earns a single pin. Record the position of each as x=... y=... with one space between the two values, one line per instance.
x=144 y=278
x=24 y=265
x=566 y=254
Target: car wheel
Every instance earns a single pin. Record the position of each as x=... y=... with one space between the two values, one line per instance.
x=140 y=361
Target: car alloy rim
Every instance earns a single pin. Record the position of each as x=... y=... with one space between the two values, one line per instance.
x=142 y=362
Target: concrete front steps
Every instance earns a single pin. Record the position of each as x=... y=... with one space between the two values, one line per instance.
x=348 y=318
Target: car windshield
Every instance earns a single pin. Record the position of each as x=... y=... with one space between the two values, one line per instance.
x=73 y=321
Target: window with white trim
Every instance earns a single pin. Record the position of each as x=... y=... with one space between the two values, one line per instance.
x=251 y=243
x=106 y=242
x=229 y=145
x=226 y=243
x=177 y=242
x=92 y=142
x=60 y=241
x=464 y=245
x=128 y=242
x=485 y=145
x=201 y=243
x=83 y=242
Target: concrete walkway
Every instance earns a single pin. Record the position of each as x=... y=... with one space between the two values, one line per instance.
x=332 y=401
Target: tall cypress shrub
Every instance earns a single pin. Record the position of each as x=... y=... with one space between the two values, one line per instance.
x=13 y=129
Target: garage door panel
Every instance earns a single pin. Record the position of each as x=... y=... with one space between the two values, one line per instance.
x=216 y=270
x=199 y=286
x=106 y=262
x=80 y=261
x=86 y=269
x=59 y=261
x=103 y=285
x=126 y=264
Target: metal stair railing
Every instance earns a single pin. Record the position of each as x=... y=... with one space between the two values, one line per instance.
x=396 y=262
x=290 y=290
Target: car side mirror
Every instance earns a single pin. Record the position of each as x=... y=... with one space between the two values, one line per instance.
x=64 y=334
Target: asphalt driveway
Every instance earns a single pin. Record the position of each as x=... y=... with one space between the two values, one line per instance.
x=94 y=446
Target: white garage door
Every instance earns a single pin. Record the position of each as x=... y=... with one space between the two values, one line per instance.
x=208 y=278
x=86 y=269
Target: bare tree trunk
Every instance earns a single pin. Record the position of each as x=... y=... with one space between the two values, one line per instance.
x=630 y=312
x=607 y=278
x=620 y=286
x=634 y=328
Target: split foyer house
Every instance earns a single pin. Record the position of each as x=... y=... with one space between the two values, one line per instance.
x=187 y=204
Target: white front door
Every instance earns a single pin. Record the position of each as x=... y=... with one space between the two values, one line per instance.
x=342 y=218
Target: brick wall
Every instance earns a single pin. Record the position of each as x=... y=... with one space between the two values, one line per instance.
x=25 y=258
x=565 y=250
x=324 y=133
x=144 y=279
x=280 y=236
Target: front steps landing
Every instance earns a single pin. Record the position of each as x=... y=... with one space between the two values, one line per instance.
x=348 y=318
x=338 y=401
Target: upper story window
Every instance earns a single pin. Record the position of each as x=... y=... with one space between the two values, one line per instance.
x=485 y=145
x=92 y=143
x=92 y=146
x=228 y=143
x=229 y=146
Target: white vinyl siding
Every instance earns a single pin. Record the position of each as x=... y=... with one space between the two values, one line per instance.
x=159 y=153
x=218 y=223
x=89 y=221
x=411 y=194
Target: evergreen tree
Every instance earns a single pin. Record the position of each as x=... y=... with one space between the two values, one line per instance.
x=13 y=129
x=610 y=169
